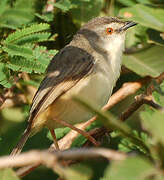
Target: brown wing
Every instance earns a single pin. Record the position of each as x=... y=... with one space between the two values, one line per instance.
x=63 y=72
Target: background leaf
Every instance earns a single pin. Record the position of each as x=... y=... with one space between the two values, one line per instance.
x=132 y=168
x=149 y=61
x=153 y=122
x=145 y=15
x=8 y=174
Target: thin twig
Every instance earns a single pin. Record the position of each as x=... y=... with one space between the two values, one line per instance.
x=97 y=132
x=145 y=98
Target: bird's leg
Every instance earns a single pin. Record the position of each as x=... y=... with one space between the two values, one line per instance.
x=54 y=139
x=85 y=134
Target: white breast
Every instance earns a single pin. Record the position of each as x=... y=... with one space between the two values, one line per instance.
x=95 y=89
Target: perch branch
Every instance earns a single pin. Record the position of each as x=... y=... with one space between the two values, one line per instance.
x=126 y=90
x=49 y=158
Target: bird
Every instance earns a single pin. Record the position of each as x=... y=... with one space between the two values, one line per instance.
x=88 y=67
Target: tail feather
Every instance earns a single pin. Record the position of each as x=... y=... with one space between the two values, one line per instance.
x=21 y=142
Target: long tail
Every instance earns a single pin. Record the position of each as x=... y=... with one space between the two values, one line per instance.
x=21 y=142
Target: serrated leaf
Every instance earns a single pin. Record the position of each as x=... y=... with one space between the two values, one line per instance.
x=13 y=49
x=32 y=38
x=132 y=168
x=47 y=17
x=64 y=5
x=8 y=174
x=26 y=31
x=4 y=79
x=43 y=55
x=37 y=62
x=154 y=123
x=22 y=64
x=145 y=15
x=147 y=62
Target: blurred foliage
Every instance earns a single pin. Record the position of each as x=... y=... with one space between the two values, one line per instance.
x=31 y=33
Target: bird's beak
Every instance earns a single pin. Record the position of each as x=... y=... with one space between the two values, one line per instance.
x=127 y=25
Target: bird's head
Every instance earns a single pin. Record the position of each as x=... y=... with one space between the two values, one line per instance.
x=106 y=32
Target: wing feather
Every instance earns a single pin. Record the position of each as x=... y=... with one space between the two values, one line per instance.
x=64 y=71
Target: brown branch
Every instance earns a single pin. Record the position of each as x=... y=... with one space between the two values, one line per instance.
x=48 y=158
x=139 y=101
x=65 y=143
x=126 y=90
x=145 y=98
x=158 y=80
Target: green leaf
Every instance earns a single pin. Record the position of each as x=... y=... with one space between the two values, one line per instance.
x=13 y=114
x=47 y=17
x=16 y=13
x=145 y=15
x=16 y=17
x=26 y=31
x=3 y=5
x=113 y=124
x=30 y=82
x=135 y=36
x=4 y=76
x=155 y=37
x=154 y=123
x=26 y=65
x=43 y=56
x=35 y=62
x=64 y=5
x=127 y=146
x=158 y=94
x=86 y=9
x=146 y=62
x=132 y=168
x=77 y=171
x=12 y=50
x=127 y=2
x=32 y=38
x=144 y=1
x=8 y=174
x=59 y=132
x=160 y=177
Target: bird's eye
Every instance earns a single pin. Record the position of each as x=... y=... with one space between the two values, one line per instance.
x=109 y=30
